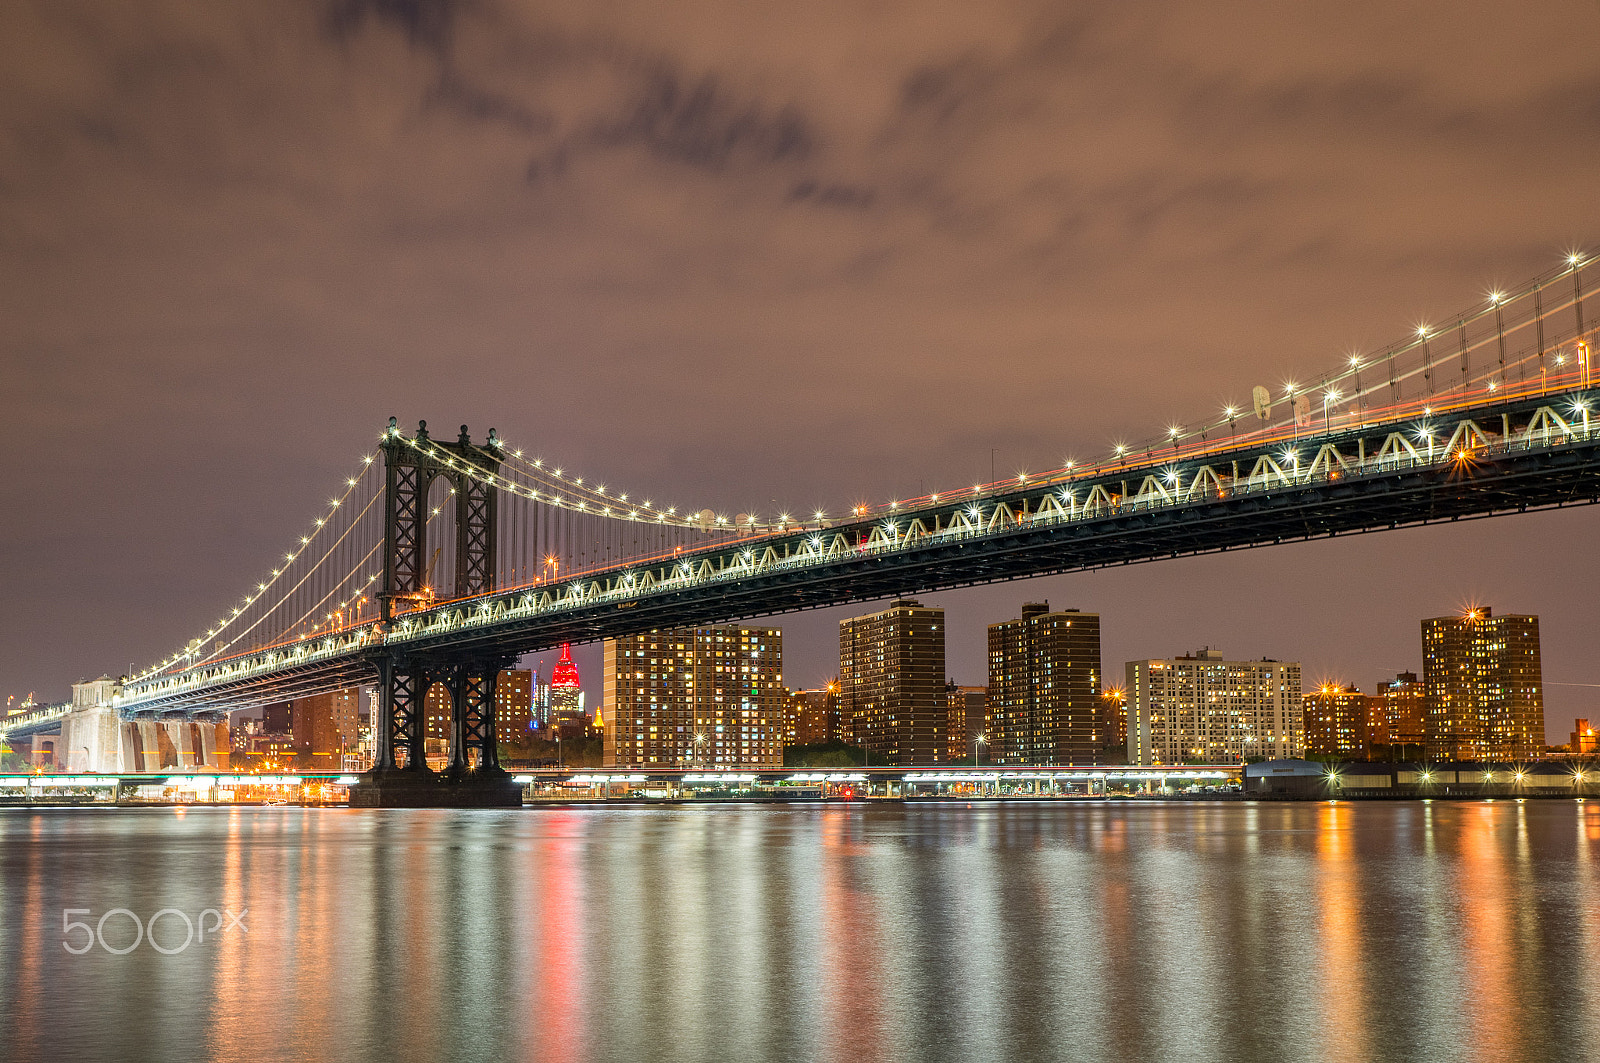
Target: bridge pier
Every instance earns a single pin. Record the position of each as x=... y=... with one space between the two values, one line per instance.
x=215 y=749
x=128 y=758
x=399 y=729
x=149 y=746
x=181 y=733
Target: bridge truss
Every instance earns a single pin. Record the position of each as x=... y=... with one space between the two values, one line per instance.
x=1490 y=412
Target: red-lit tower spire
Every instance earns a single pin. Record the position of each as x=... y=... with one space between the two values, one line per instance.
x=565 y=673
x=564 y=687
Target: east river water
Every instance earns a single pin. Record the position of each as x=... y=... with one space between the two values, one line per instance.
x=1116 y=931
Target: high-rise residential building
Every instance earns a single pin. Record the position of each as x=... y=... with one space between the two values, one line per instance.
x=811 y=717
x=1335 y=722
x=1114 y=723
x=436 y=724
x=1396 y=716
x=324 y=727
x=513 y=703
x=707 y=697
x=1483 y=685
x=1044 y=687
x=1582 y=741
x=541 y=702
x=891 y=683
x=966 y=719
x=1203 y=709
x=276 y=719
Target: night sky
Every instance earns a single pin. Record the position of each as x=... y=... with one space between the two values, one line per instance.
x=734 y=255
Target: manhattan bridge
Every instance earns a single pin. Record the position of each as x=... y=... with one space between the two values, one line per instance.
x=444 y=559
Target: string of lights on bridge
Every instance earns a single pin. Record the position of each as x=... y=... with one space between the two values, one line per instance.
x=506 y=469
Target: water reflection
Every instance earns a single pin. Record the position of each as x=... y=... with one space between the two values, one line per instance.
x=1405 y=930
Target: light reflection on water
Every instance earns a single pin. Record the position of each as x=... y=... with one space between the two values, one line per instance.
x=1339 y=932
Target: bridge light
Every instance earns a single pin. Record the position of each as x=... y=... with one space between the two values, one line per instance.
x=1229 y=411
x=1172 y=432
x=1422 y=331
x=1355 y=361
x=1172 y=477
x=972 y=511
x=1495 y=297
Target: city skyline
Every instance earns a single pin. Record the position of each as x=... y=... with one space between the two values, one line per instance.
x=693 y=223
x=808 y=663
x=898 y=530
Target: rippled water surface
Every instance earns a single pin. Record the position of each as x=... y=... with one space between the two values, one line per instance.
x=1173 y=932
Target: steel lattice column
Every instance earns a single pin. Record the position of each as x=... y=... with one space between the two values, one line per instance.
x=399 y=727
x=472 y=723
x=411 y=467
x=479 y=728
x=476 y=505
x=405 y=523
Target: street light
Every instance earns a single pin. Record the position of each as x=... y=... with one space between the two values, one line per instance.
x=978 y=740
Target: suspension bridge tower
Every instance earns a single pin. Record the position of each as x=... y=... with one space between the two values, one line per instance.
x=400 y=776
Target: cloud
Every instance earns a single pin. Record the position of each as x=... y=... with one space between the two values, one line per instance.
x=717 y=251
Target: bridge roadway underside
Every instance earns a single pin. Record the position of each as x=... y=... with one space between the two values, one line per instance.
x=1509 y=482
